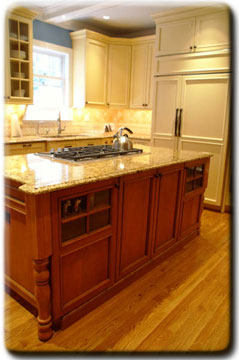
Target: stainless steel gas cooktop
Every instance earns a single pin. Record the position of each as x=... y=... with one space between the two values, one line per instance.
x=84 y=153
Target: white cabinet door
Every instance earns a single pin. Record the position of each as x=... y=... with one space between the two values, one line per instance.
x=212 y=31
x=96 y=72
x=141 y=89
x=204 y=104
x=138 y=75
x=166 y=104
x=150 y=77
x=119 y=75
x=175 y=37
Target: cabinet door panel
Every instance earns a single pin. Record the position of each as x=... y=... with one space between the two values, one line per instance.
x=166 y=101
x=167 y=211
x=150 y=76
x=191 y=214
x=204 y=104
x=212 y=31
x=134 y=223
x=85 y=272
x=119 y=75
x=96 y=72
x=139 y=75
x=175 y=37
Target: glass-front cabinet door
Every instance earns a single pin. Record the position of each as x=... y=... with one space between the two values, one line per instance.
x=18 y=52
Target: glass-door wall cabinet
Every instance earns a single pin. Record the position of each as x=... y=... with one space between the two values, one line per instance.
x=18 y=57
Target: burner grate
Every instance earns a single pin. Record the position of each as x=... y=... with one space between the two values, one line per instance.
x=88 y=152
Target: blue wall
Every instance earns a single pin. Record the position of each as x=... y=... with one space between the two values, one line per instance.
x=51 y=33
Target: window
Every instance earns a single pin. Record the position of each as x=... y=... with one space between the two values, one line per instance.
x=50 y=85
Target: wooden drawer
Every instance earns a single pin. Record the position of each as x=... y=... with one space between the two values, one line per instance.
x=25 y=148
x=141 y=142
x=61 y=144
x=72 y=143
x=108 y=141
x=89 y=142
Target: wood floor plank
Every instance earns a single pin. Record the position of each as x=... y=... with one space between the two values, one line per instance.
x=181 y=305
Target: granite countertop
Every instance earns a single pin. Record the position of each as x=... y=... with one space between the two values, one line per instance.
x=38 y=174
x=39 y=138
x=43 y=138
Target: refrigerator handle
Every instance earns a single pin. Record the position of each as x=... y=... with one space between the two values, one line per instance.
x=180 y=122
x=176 y=124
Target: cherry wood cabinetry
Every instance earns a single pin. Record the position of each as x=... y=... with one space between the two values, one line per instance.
x=134 y=222
x=67 y=251
x=83 y=224
x=195 y=182
x=168 y=192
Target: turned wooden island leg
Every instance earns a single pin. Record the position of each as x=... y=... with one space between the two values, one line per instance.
x=42 y=294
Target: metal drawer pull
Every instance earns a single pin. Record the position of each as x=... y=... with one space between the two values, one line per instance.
x=27 y=145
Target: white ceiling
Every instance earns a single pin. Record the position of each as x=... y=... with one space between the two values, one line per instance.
x=125 y=16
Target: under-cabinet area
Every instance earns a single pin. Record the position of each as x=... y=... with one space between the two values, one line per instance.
x=86 y=242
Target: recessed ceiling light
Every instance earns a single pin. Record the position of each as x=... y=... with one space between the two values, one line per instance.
x=106 y=17
x=63 y=17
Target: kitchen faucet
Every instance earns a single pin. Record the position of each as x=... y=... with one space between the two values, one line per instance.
x=60 y=128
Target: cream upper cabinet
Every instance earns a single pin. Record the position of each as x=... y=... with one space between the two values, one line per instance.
x=18 y=57
x=142 y=75
x=175 y=37
x=96 y=72
x=192 y=30
x=119 y=62
x=212 y=31
x=101 y=70
x=90 y=62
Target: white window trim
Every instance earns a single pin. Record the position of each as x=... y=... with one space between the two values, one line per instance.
x=60 y=49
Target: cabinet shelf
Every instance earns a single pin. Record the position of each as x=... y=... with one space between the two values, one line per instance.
x=91 y=212
x=19 y=40
x=73 y=217
x=18 y=59
x=188 y=179
x=99 y=209
x=21 y=79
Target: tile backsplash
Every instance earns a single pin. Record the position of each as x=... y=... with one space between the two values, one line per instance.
x=85 y=121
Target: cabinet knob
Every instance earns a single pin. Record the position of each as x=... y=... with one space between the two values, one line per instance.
x=195 y=46
x=108 y=104
x=86 y=102
x=191 y=48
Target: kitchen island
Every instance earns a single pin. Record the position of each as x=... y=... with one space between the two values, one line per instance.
x=77 y=233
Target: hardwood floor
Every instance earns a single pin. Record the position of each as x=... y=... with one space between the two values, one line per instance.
x=181 y=305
